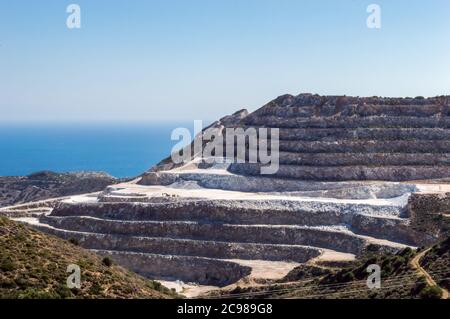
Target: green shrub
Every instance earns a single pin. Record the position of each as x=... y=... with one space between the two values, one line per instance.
x=63 y=291
x=107 y=262
x=406 y=252
x=22 y=282
x=33 y=293
x=431 y=292
x=95 y=289
x=156 y=285
x=237 y=290
x=444 y=283
x=420 y=284
x=7 y=283
x=398 y=261
x=7 y=265
x=350 y=276
x=373 y=248
x=74 y=241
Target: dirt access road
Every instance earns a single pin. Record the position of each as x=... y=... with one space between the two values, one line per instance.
x=415 y=263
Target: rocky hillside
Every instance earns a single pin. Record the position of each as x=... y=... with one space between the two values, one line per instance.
x=437 y=260
x=429 y=214
x=354 y=173
x=400 y=278
x=337 y=138
x=44 y=185
x=33 y=265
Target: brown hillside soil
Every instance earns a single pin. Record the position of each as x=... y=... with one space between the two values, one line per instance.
x=34 y=265
x=400 y=278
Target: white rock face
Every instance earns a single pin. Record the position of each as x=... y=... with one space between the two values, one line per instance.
x=344 y=183
x=210 y=221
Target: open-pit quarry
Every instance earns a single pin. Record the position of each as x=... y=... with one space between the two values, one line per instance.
x=353 y=174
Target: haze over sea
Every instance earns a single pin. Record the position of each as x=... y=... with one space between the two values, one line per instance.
x=122 y=150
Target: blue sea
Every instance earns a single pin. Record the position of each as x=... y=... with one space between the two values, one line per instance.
x=122 y=150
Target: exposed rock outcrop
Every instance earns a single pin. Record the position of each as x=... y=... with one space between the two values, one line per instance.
x=348 y=180
x=44 y=185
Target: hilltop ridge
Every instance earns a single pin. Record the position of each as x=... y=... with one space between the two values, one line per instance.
x=46 y=184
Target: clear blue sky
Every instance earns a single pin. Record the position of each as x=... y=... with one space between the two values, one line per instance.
x=202 y=59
